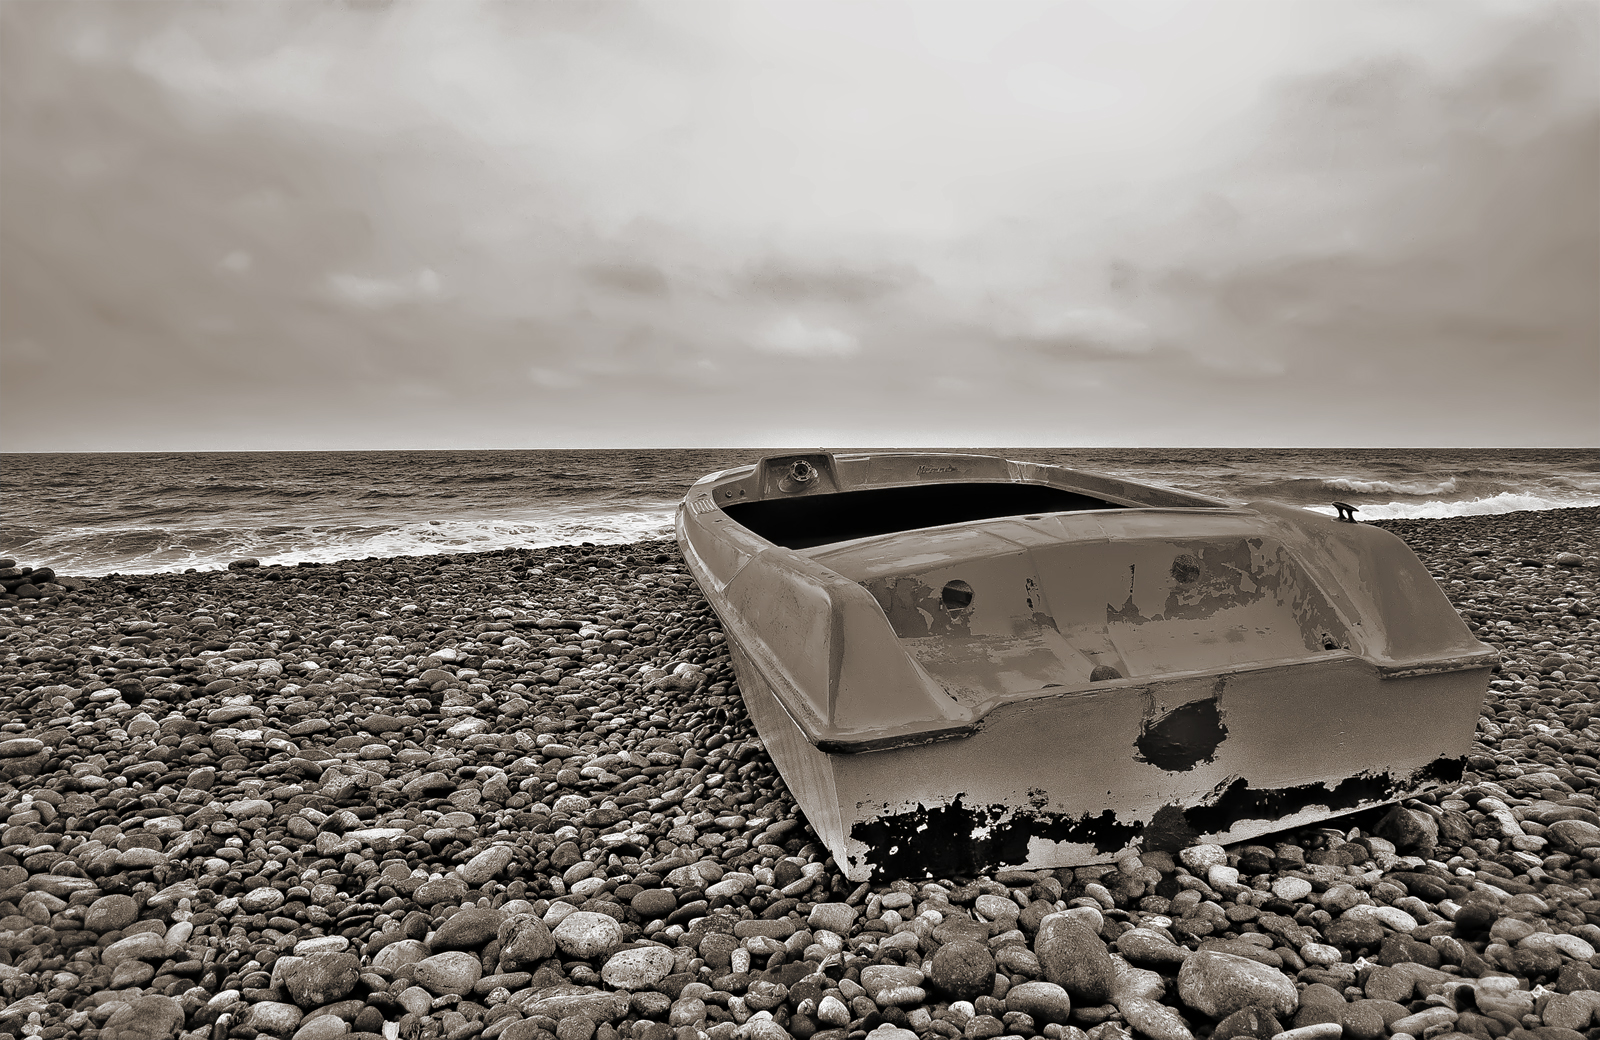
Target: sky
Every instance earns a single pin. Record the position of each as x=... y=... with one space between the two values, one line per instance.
x=445 y=224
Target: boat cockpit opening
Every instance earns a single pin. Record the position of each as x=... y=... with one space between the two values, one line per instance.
x=813 y=520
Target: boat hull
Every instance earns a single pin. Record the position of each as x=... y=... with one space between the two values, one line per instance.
x=1086 y=777
x=923 y=737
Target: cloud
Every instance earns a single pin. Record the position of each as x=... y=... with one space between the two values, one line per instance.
x=381 y=293
x=639 y=279
x=554 y=379
x=660 y=207
x=786 y=280
x=790 y=336
x=1079 y=329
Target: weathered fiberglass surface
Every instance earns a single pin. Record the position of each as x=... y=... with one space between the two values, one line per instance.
x=1048 y=688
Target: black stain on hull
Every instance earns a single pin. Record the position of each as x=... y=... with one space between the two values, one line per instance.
x=941 y=842
x=1182 y=738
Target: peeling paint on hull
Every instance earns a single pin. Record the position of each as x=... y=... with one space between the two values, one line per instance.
x=958 y=840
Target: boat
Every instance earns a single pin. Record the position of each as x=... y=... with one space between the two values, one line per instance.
x=961 y=663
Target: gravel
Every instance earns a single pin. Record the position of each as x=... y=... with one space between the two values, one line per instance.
x=515 y=794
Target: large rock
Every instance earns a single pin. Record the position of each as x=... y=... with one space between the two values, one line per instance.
x=321 y=978
x=1043 y=1001
x=469 y=929
x=524 y=941
x=587 y=935
x=963 y=970
x=891 y=985
x=111 y=914
x=273 y=1017
x=486 y=865
x=1251 y=1022
x=452 y=972
x=1154 y=1019
x=1073 y=957
x=150 y=1017
x=1411 y=830
x=1149 y=949
x=398 y=954
x=560 y=1002
x=1572 y=836
x=1218 y=984
x=639 y=968
x=141 y=946
x=832 y=917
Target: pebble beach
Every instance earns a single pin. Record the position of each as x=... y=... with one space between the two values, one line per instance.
x=515 y=794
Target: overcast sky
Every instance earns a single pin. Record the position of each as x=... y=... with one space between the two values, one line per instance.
x=445 y=224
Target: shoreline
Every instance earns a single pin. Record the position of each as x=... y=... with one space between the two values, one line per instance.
x=361 y=797
x=1393 y=523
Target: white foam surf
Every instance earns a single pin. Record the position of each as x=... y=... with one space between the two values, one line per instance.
x=1505 y=502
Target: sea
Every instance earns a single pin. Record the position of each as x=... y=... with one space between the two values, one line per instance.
x=92 y=514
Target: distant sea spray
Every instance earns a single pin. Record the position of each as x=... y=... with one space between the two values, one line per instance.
x=90 y=514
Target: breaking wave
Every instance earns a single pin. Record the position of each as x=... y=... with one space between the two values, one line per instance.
x=1505 y=502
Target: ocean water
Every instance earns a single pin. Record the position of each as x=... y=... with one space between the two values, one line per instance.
x=95 y=514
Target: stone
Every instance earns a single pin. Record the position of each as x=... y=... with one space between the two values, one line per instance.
x=273 y=1017
x=1291 y=889
x=440 y=890
x=452 y=972
x=1218 y=984
x=654 y=903
x=833 y=917
x=1128 y=982
x=415 y=1000
x=1316 y=1031
x=889 y=1031
x=398 y=954
x=261 y=900
x=1422 y=1021
x=962 y=970
x=1250 y=1022
x=1042 y=1001
x=150 y=1017
x=639 y=968
x=321 y=978
x=1568 y=1012
x=1201 y=858
x=141 y=946
x=525 y=941
x=891 y=985
x=132 y=973
x=1149 y=949
x=469 y=929
x=1411 y=830
x=1570 y=945
x=1354 y=933
x=587 y=935
x=1572 y=836
x=1074 y=958
x=593 y=1005
x=322 y=1027
x=1365 y=1019
x=1154 y=1019
x=111 y=914
x=486 y=865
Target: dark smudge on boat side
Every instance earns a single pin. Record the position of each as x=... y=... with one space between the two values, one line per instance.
x=1183 y=737
x=939 y=842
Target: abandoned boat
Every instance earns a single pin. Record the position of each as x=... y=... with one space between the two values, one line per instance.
x=961 y=663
